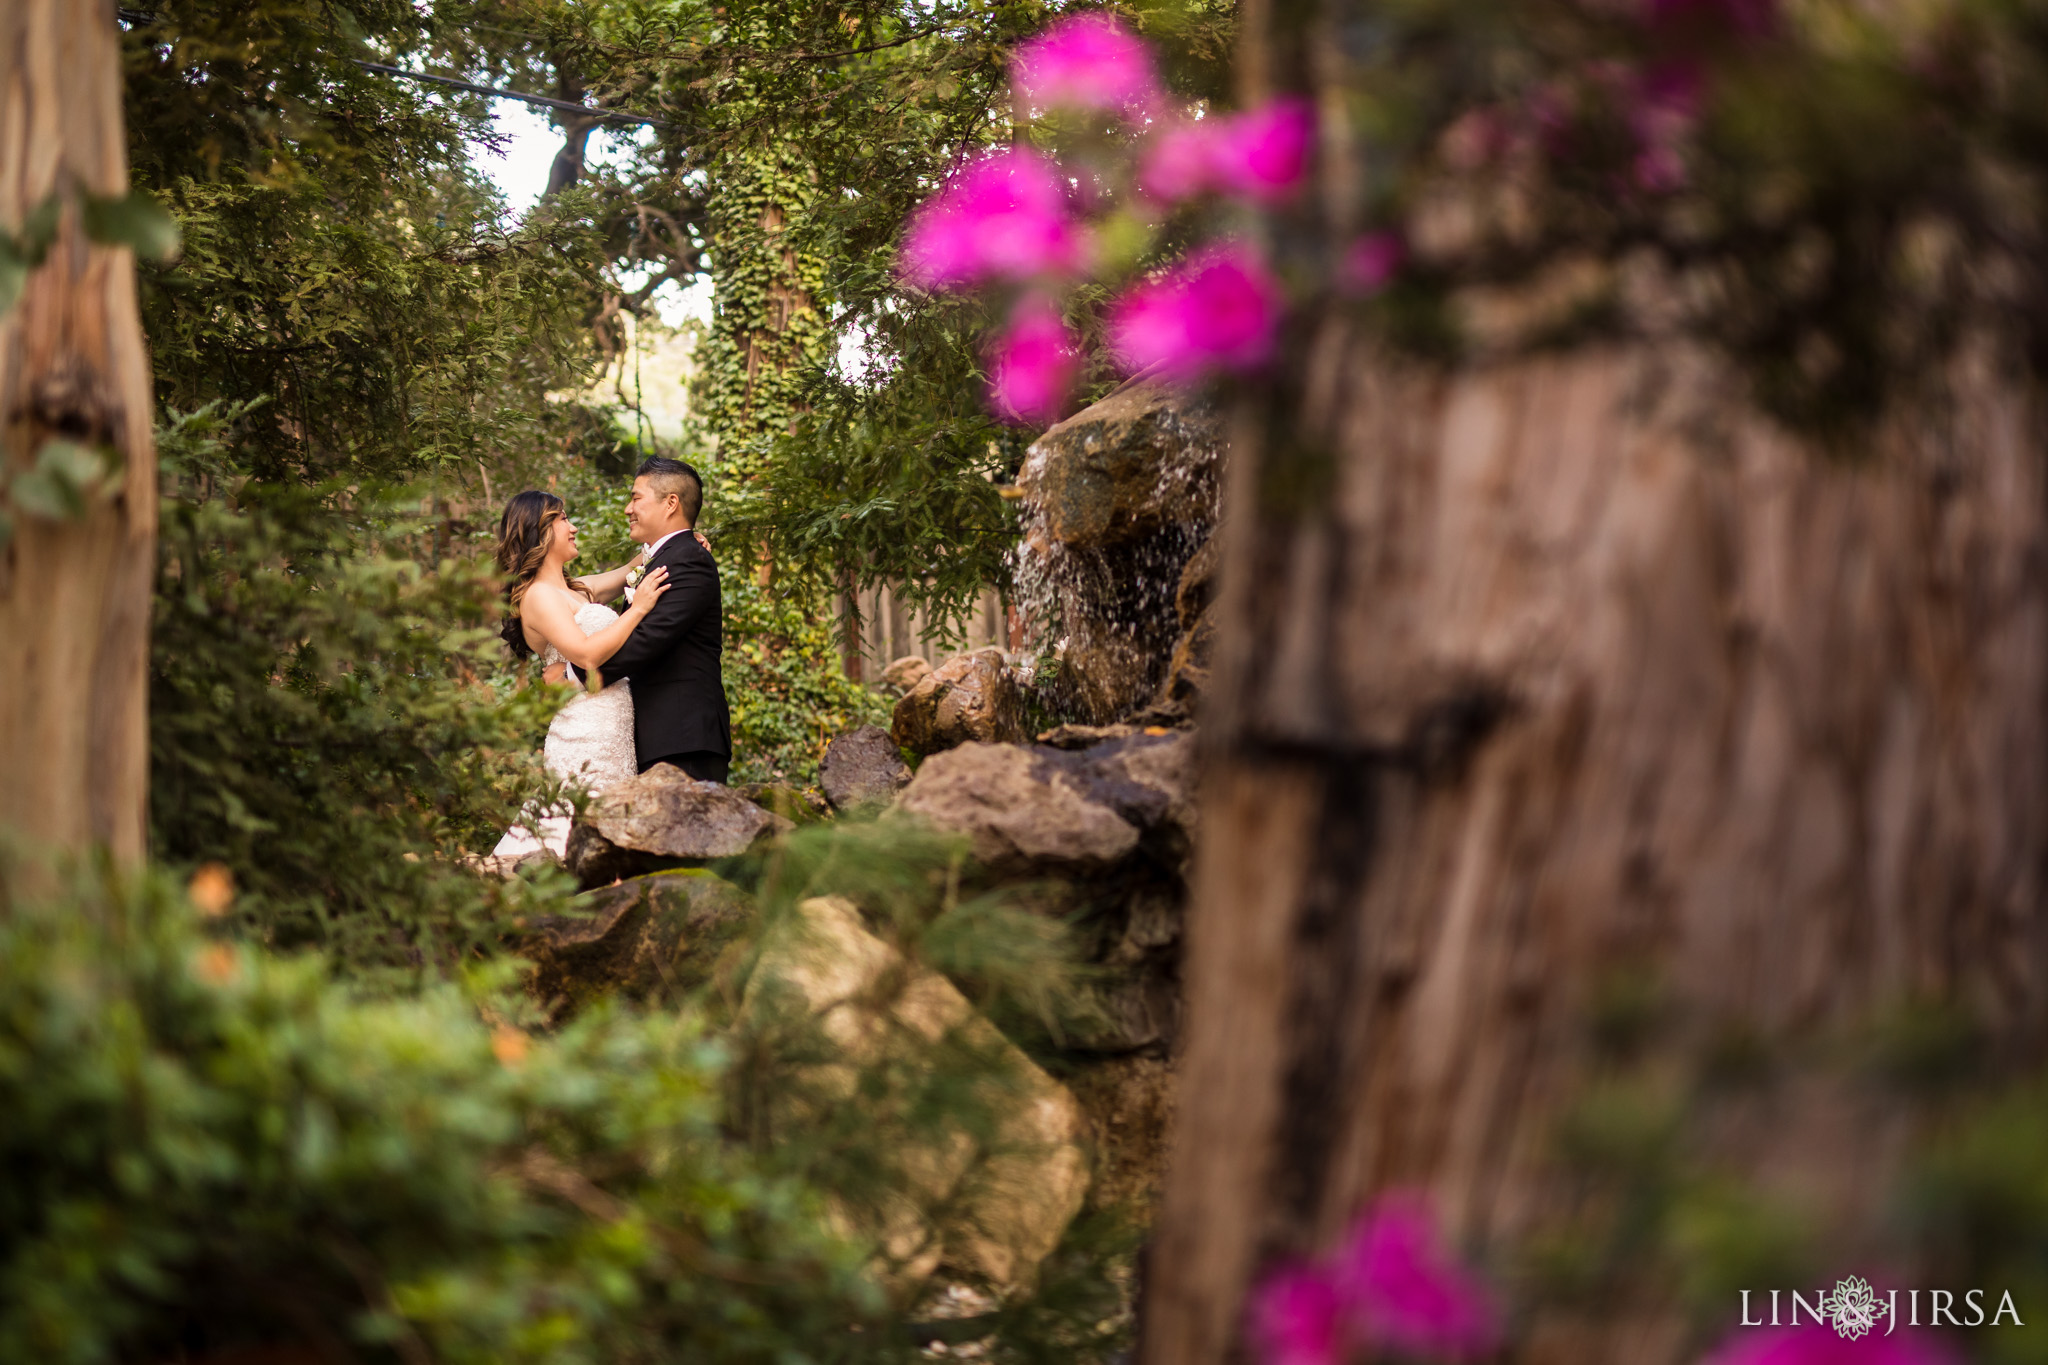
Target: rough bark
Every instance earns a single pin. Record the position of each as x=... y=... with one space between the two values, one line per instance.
x=1570 y=666
x=74 y=593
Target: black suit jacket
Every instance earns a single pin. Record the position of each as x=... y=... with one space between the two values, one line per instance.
x=672 y=657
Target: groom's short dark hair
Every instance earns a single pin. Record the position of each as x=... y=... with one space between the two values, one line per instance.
x=673 y=476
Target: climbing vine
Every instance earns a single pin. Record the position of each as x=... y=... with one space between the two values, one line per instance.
x=768 y=332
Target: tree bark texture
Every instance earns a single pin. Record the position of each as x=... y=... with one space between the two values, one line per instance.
x=1536 y=672
x=74 y=592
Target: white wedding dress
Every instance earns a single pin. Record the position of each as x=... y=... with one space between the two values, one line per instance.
x=590 y=744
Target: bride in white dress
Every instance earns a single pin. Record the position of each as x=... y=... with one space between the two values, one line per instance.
x=590 y=742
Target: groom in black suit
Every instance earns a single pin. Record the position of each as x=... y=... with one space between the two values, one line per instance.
x=679 y=711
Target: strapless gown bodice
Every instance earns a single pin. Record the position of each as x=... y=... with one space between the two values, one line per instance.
x=589 y=744
x=591 y=740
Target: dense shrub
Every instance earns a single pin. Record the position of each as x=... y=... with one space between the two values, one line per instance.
x=208 y=1148
x=320 y=716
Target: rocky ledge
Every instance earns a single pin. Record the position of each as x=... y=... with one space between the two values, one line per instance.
x=661 y=819
x=1099 y=832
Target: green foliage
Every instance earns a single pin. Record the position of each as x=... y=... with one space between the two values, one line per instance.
x=789 y=694
x=209 y=1149
x=1834 y=201
x=267 y=91
x=1979 y=1200
x=390 y=339
x=331 y=716
x=923 y=894
x=891 y=473
x=319 y=721
x=868 y=487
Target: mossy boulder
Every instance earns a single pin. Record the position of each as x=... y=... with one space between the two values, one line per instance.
x=652 y=938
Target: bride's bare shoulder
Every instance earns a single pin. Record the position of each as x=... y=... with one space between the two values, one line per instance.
x=568 y=597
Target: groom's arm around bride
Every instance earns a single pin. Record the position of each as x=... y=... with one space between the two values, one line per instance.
x=672 y=659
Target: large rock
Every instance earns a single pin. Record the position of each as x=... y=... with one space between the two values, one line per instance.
x=652 y=938
x=1019 y=811
x=1106 y=830
x=661 y=819
x=1149 y=777
x=907 y=672
x=1117 y=501
x=1040 y=808
x=1142 y=461
x=1129 y=1103
x=993 y=1206
x=970 y=698
x=861 y=768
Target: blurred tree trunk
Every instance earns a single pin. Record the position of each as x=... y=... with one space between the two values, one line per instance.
x=74 y=590
x=1539 y=675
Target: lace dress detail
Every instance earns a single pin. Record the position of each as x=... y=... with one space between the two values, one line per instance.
x=590 y=744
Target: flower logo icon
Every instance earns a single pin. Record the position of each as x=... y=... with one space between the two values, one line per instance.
x=1853 y=1307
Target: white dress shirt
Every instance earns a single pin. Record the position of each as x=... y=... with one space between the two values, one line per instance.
x=647 y=557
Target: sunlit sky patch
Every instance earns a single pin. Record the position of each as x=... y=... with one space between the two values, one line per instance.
x=521 y=172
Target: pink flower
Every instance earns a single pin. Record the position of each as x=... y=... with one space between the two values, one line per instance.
x=1664 y=108
x=1261 y=155
x=1004 y=215
x=1032 y=365
x=1372 y=261
x=1088 y=61
x=1405 y=1292
x=1179 y=162
x=1816 y=1344
x=1218 y=309
x=1297 y=1318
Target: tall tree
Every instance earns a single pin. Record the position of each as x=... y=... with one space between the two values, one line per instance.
x=75 y=441
x=1580 y=687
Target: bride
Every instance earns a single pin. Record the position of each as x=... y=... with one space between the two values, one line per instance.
x=590 y=742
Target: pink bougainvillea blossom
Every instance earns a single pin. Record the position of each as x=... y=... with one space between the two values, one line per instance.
x=1263 y=154
x=1179 y=162
x=1372 y=261
x=1664 y=108
x=1218 y=309
x=1403 y=1289
x=1820 y=1344
x=1032 y=365
x=1088 y=61
x=1260 y=155
x=1297 y=1318
x=1005 y=215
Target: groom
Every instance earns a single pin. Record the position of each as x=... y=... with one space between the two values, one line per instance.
x=679 y=711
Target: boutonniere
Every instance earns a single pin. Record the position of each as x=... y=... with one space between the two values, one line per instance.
x=636 y=573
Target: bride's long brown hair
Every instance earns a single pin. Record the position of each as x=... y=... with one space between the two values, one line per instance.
x=524 y=532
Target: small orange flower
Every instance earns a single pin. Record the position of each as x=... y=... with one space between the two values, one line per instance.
x=509 y=1045
x=218 y=964
x=212 y=890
